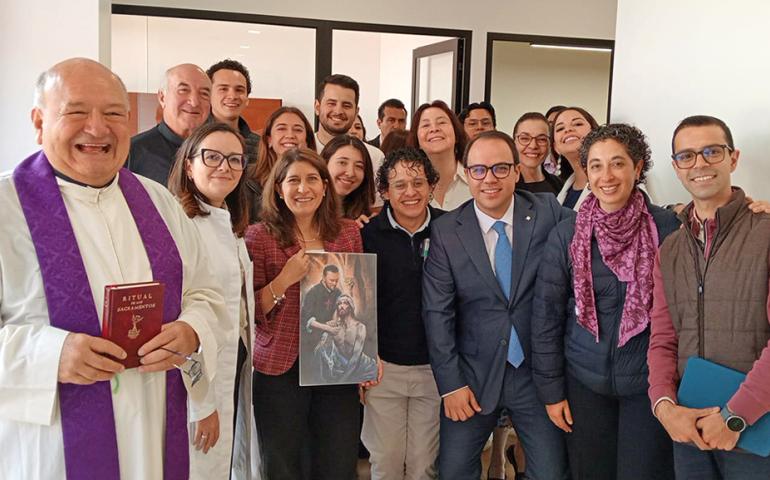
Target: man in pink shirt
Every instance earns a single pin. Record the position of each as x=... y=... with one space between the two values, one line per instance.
x=711 y=300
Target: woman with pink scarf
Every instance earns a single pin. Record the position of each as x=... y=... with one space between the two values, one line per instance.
x=590 y=325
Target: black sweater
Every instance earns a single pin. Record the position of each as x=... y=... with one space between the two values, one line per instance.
x=400 y=330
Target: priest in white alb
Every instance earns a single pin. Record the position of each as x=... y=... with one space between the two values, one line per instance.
x=74 y=221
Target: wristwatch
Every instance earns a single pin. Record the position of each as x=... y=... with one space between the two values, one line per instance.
x=734 y=422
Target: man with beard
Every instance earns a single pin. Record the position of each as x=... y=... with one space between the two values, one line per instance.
x=336 y=105
x=340 y=354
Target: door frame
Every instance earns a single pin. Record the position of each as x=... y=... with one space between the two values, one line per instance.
x=544 y=40
x=454 y=46
x=324 y=30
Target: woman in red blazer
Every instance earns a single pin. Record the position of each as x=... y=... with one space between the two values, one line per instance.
x=299 y=213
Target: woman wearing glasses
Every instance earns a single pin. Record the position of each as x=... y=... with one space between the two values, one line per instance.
x=208 y=180
x=436 y=130
x=570 y=126
x=532 y=142
x=300 y=212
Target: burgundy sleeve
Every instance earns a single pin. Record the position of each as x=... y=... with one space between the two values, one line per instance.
x=752 y=400
x=663 y=354
x=255 y=245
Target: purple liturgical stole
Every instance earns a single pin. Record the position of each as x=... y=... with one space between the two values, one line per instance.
x=88 y=421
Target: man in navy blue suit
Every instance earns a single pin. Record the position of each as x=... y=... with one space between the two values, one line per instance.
x=477 y=304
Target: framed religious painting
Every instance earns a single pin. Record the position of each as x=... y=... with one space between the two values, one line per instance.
x=338 y=319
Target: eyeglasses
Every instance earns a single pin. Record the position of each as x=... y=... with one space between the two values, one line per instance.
x=499 y=170
x=711 y=154
x=525 y=139
x=213 y=159
x=194 y=371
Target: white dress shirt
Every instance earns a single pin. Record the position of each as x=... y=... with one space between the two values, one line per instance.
x=489 y=234
x=457 y=193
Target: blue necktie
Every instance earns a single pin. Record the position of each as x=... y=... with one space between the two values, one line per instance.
x=503 y=262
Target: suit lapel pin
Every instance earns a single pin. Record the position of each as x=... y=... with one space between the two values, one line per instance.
x=528 y=218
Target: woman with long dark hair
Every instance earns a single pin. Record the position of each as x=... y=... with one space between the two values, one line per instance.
x=350 y=167
x=208 y=179
x=570 y=126
x=300 y=212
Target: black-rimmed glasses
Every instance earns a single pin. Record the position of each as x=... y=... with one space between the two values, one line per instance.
x=499 y=170
x=711 y=154
x=213 y=159
x=525 y=139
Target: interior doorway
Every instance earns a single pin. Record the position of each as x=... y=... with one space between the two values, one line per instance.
x=531 y=73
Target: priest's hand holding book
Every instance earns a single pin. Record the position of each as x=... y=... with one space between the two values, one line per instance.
x=176 y=339
x=84 y=359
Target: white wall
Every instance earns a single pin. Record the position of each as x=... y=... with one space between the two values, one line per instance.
x=281 y=60
x=381 y=63
x=396 y=62
x=701 y=57
x=566 y=18
x=38 y=33
x=357 y=54
x=526 y=79
x=34 y=36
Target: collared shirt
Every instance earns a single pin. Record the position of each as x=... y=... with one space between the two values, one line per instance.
x=457 y=193
x=395 y=224
x=703 y=231
x=489 y=234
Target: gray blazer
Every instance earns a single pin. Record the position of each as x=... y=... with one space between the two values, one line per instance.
x=467 y=317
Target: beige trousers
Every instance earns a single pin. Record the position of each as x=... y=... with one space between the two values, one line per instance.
x=401 y=423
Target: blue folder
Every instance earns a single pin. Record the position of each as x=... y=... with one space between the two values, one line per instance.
x=708 y=384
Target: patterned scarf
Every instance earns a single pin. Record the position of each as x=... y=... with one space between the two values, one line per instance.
x=628 y=241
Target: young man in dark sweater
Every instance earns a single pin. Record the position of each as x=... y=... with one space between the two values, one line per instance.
x=401 y=417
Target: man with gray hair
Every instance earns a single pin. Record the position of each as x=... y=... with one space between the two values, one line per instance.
x=73 y=222
x=185 y=97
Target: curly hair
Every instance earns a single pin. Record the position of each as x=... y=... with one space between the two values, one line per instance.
x=632 y=139
x=414 y=158
x=229 y=64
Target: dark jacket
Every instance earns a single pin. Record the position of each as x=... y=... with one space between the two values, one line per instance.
x=468 y=318
x=558 y=340
x=551 y=184
x=153 y=152
x=250 y=139
x=400 y=330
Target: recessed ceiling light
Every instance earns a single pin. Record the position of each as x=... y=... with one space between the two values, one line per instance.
x=254 y=32
x=570 y=47
x=245 y=47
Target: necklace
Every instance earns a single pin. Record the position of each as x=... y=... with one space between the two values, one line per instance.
x=302 y=239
